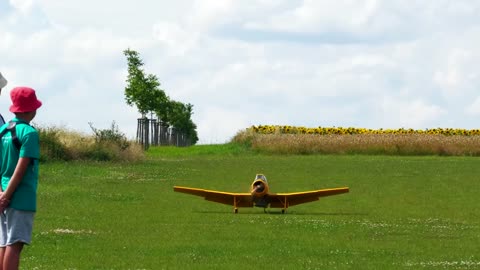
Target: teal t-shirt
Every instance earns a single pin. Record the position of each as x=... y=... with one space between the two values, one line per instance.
x=25 y=196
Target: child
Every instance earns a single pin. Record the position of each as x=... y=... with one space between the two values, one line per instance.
x=19 y=153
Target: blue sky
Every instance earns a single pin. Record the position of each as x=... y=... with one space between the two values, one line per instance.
x=372 y=63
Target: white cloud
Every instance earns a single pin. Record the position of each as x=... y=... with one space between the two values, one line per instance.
x=335 y=17
x=219 y=125
x=122 y=17
x=312 y=16
x=474 y=108
x=177 y=39
x=414 y=113
x=459 y=75
x=91 y=47
x=24 y=6
x=206 y=12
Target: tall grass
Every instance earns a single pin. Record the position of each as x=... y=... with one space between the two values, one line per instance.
x=388 y=144
x=58 y=143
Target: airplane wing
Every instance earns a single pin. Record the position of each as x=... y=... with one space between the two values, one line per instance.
x=284 y=200
x=229 y=198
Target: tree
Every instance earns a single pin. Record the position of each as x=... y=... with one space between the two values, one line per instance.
x=142 y=90
x=180 y=117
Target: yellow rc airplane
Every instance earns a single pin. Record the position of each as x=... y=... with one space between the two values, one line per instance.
x=260 y=197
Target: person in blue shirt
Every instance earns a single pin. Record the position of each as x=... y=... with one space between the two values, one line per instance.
x=19 y=154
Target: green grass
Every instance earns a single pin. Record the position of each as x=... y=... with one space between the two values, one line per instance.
x=195 y=150
x=401 y=213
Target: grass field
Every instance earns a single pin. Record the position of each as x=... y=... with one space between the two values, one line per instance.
x=401 y=213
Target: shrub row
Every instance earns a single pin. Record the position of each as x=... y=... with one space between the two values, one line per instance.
x=104 y=145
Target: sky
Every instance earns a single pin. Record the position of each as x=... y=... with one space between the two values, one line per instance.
x=348 y=63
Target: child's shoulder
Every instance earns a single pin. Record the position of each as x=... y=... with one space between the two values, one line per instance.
x=24 y=128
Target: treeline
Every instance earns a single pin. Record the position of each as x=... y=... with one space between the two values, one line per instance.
x=143 y=91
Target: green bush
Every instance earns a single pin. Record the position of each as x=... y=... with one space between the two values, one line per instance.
x=105 y=145
x=51 y=146
x=100 y=152
x=112 y=135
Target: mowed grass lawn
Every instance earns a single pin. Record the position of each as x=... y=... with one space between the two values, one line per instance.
x=401 y=213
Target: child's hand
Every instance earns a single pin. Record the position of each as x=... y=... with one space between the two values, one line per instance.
x=3 y=201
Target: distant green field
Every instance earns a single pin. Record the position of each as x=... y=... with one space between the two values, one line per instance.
x=401 y=213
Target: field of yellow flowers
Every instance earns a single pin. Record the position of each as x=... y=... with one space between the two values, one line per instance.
x=339 y=140
x=353 y=131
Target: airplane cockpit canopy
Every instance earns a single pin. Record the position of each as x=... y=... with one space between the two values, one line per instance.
x=261 y=177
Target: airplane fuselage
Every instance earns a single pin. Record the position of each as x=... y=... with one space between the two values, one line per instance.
x=259 y=191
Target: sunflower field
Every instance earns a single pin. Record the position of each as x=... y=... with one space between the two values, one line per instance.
x=340 y=140
x=352 y=131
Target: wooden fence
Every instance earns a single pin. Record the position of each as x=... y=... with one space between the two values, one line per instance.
x=157 y=133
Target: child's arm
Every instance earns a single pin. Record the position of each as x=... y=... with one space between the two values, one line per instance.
x=17 y=176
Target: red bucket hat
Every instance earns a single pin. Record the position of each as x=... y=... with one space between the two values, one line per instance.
x=24 y=100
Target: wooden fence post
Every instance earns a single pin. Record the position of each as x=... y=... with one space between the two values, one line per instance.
x=143 y=132
x=172 y=136
x=163 y=133
x=154 y=132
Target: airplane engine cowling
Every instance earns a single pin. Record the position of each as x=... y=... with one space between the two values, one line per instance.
x=259 y=188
